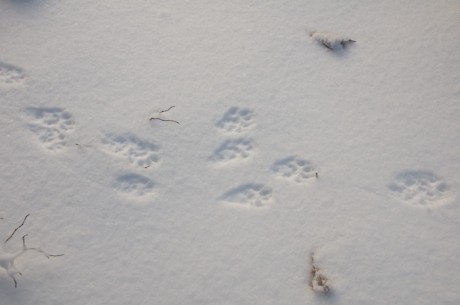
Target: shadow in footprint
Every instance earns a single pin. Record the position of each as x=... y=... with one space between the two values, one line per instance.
x=232 y=150
x=137 y=151
x=236 y=120
x=51 y=125
x=134 y=184
x=249 y=195
x=295 y=169
x=419 y=188
x=10 y=76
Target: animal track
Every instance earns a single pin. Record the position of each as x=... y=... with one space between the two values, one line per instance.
x=236 y=120
x=134 y=184
x=295 y=169
x=419 y=188
x=250 y=195
x=10 y=76
x=51 y=125
x=232 y=150
x=138 y=152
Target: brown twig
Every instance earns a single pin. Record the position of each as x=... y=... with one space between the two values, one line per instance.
x=11 y=236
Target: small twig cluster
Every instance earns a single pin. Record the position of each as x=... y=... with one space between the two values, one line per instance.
x=318 y=282
x=7 y=258
x=164 y=120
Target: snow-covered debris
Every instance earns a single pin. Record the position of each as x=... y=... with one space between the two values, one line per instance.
x=7 y=258
x=332 y=41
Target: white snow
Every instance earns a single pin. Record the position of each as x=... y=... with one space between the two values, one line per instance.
x=224 y=206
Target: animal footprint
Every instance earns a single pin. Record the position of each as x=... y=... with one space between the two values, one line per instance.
x=249 y=195
x=419 y=188
x=10 y=76
x=51 y=125
x=294 y=169
x=134 y=184
x=138 y=152
x=233 y=150
x=236 y=120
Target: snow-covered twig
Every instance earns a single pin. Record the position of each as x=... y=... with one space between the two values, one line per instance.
x=7 y=258
x=331 y=41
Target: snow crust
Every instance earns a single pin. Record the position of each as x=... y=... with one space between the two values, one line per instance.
x=280 y=149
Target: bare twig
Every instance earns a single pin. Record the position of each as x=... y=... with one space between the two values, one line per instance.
x=7 y=258
x=164 y=120
x=11 y=236
x=167 y=109
x=327 y=45
x=25 y=248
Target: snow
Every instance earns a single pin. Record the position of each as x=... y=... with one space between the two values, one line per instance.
x=225 y=207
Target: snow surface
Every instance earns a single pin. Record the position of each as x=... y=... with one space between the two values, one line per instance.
x=225 y=207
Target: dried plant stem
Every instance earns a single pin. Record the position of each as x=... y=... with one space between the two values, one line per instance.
x=12 y=234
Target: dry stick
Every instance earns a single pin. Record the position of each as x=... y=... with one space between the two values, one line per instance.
x=164 y=120
x=11 y=236
x=327 y=46
x=167 y=109
x=37 y=249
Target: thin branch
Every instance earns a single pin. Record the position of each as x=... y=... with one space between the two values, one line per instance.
x=164 y=120
x=37 y=249
x=167 y=109
x=11 y=236
x=327 y=45
x=24 y=247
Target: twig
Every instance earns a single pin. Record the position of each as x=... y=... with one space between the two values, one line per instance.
x=327 y=45
x=164 y=120
x=167 y=109
x=25 y=248
x=11 y=236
